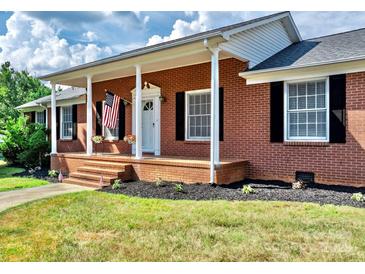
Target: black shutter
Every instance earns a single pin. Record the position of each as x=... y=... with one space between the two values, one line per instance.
x=44 y=118
x=99 y=118
x=180 y=116
x=121 y=120
x=337 y=108
x=58 y=122
x=277 y=112
x=221 y=114
x=32 y=117
x=74 y=122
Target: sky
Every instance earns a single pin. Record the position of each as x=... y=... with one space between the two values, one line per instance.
x=45 y=42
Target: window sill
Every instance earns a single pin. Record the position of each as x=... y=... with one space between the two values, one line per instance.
x=306 y=143
x=65 y=140
x=197 y=142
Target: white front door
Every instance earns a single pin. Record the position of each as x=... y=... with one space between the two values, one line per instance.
x=148 y=136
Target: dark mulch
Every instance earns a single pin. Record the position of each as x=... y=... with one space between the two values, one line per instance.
x=39 y=174
x=264 y=190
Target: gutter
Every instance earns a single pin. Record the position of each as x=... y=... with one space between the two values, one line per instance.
x=323 y=63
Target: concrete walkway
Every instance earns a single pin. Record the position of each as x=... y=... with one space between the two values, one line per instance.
x=16 y=197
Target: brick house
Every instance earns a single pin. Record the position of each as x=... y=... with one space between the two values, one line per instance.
x=247 y=100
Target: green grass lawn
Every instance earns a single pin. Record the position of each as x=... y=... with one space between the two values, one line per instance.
x=10 y=182
x=95 y=226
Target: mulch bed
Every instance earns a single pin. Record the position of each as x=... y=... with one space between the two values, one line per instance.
x=264 y=190
x=41 y=174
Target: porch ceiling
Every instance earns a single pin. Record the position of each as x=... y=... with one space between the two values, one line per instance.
x=177 y=57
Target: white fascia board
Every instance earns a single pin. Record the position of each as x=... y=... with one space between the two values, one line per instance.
x=303 y=72
x=69 y=102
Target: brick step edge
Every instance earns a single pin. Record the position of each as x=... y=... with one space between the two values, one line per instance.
x=86 y=183
x=92 y=177
x=100 y=171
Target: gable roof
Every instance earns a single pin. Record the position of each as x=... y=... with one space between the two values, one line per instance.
x=218 y=32
x=340 y=47
x=64 y=95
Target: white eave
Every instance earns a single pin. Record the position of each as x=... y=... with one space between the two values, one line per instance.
x=181 y=52
x=319 y=69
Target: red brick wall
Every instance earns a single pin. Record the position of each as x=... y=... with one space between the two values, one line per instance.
x=78 y=145
x=247 y=126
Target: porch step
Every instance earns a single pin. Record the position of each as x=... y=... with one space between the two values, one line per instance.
x=83 y=182
x=90 y=173
x=107 y=165
x=101 y=171
x=92 y=177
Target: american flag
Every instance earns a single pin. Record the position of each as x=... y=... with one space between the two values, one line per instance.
x=111 y=110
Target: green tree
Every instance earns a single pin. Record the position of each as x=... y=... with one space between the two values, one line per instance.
x=17 y=88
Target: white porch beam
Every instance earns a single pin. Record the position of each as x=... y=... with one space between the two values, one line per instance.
x=53 y=120
x=214 y=110
x=89 y=116
x=138 y=121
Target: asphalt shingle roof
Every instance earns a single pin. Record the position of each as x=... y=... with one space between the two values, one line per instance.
x=332 y=48
x=69 y=93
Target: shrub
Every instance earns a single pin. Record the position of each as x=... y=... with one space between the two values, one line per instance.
x=299 y=185
x=358 y=197
x=25 y=143
x=247 y=190
x=159 y=181
x=179 y=188
x=52 y=173
x=117 y=184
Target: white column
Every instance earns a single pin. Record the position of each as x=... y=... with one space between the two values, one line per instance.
x=89 y=116
x=138 y=121
x=53 y=121
x=214 y=110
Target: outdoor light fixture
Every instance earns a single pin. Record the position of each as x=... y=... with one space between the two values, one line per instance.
x=162 y=99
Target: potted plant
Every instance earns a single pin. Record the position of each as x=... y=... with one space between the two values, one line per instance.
x=97 y=139
x=130 y=139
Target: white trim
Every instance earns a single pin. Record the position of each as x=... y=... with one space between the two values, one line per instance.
x=89 y=115
x=61 y=124
x=53 y=120
x=67 y=102
x=306 y=138
x=153 y=93
x=197 y=91
x=303 y=72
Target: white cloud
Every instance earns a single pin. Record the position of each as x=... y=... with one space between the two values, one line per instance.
x=90 y=36
x=34 y=45
x=180 y=29
x=204 y=20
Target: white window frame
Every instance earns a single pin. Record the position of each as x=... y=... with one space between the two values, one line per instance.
x=112 y=138
x=286 y=100
x=61 y=121
x=187 y=93
x=36 y=117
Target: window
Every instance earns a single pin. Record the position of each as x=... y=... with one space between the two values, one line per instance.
x=307 y=110
x=40 y=117
x=198 y=115
x=66 y=122
x=111 y=133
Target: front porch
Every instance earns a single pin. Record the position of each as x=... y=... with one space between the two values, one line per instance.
x=87 y=169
